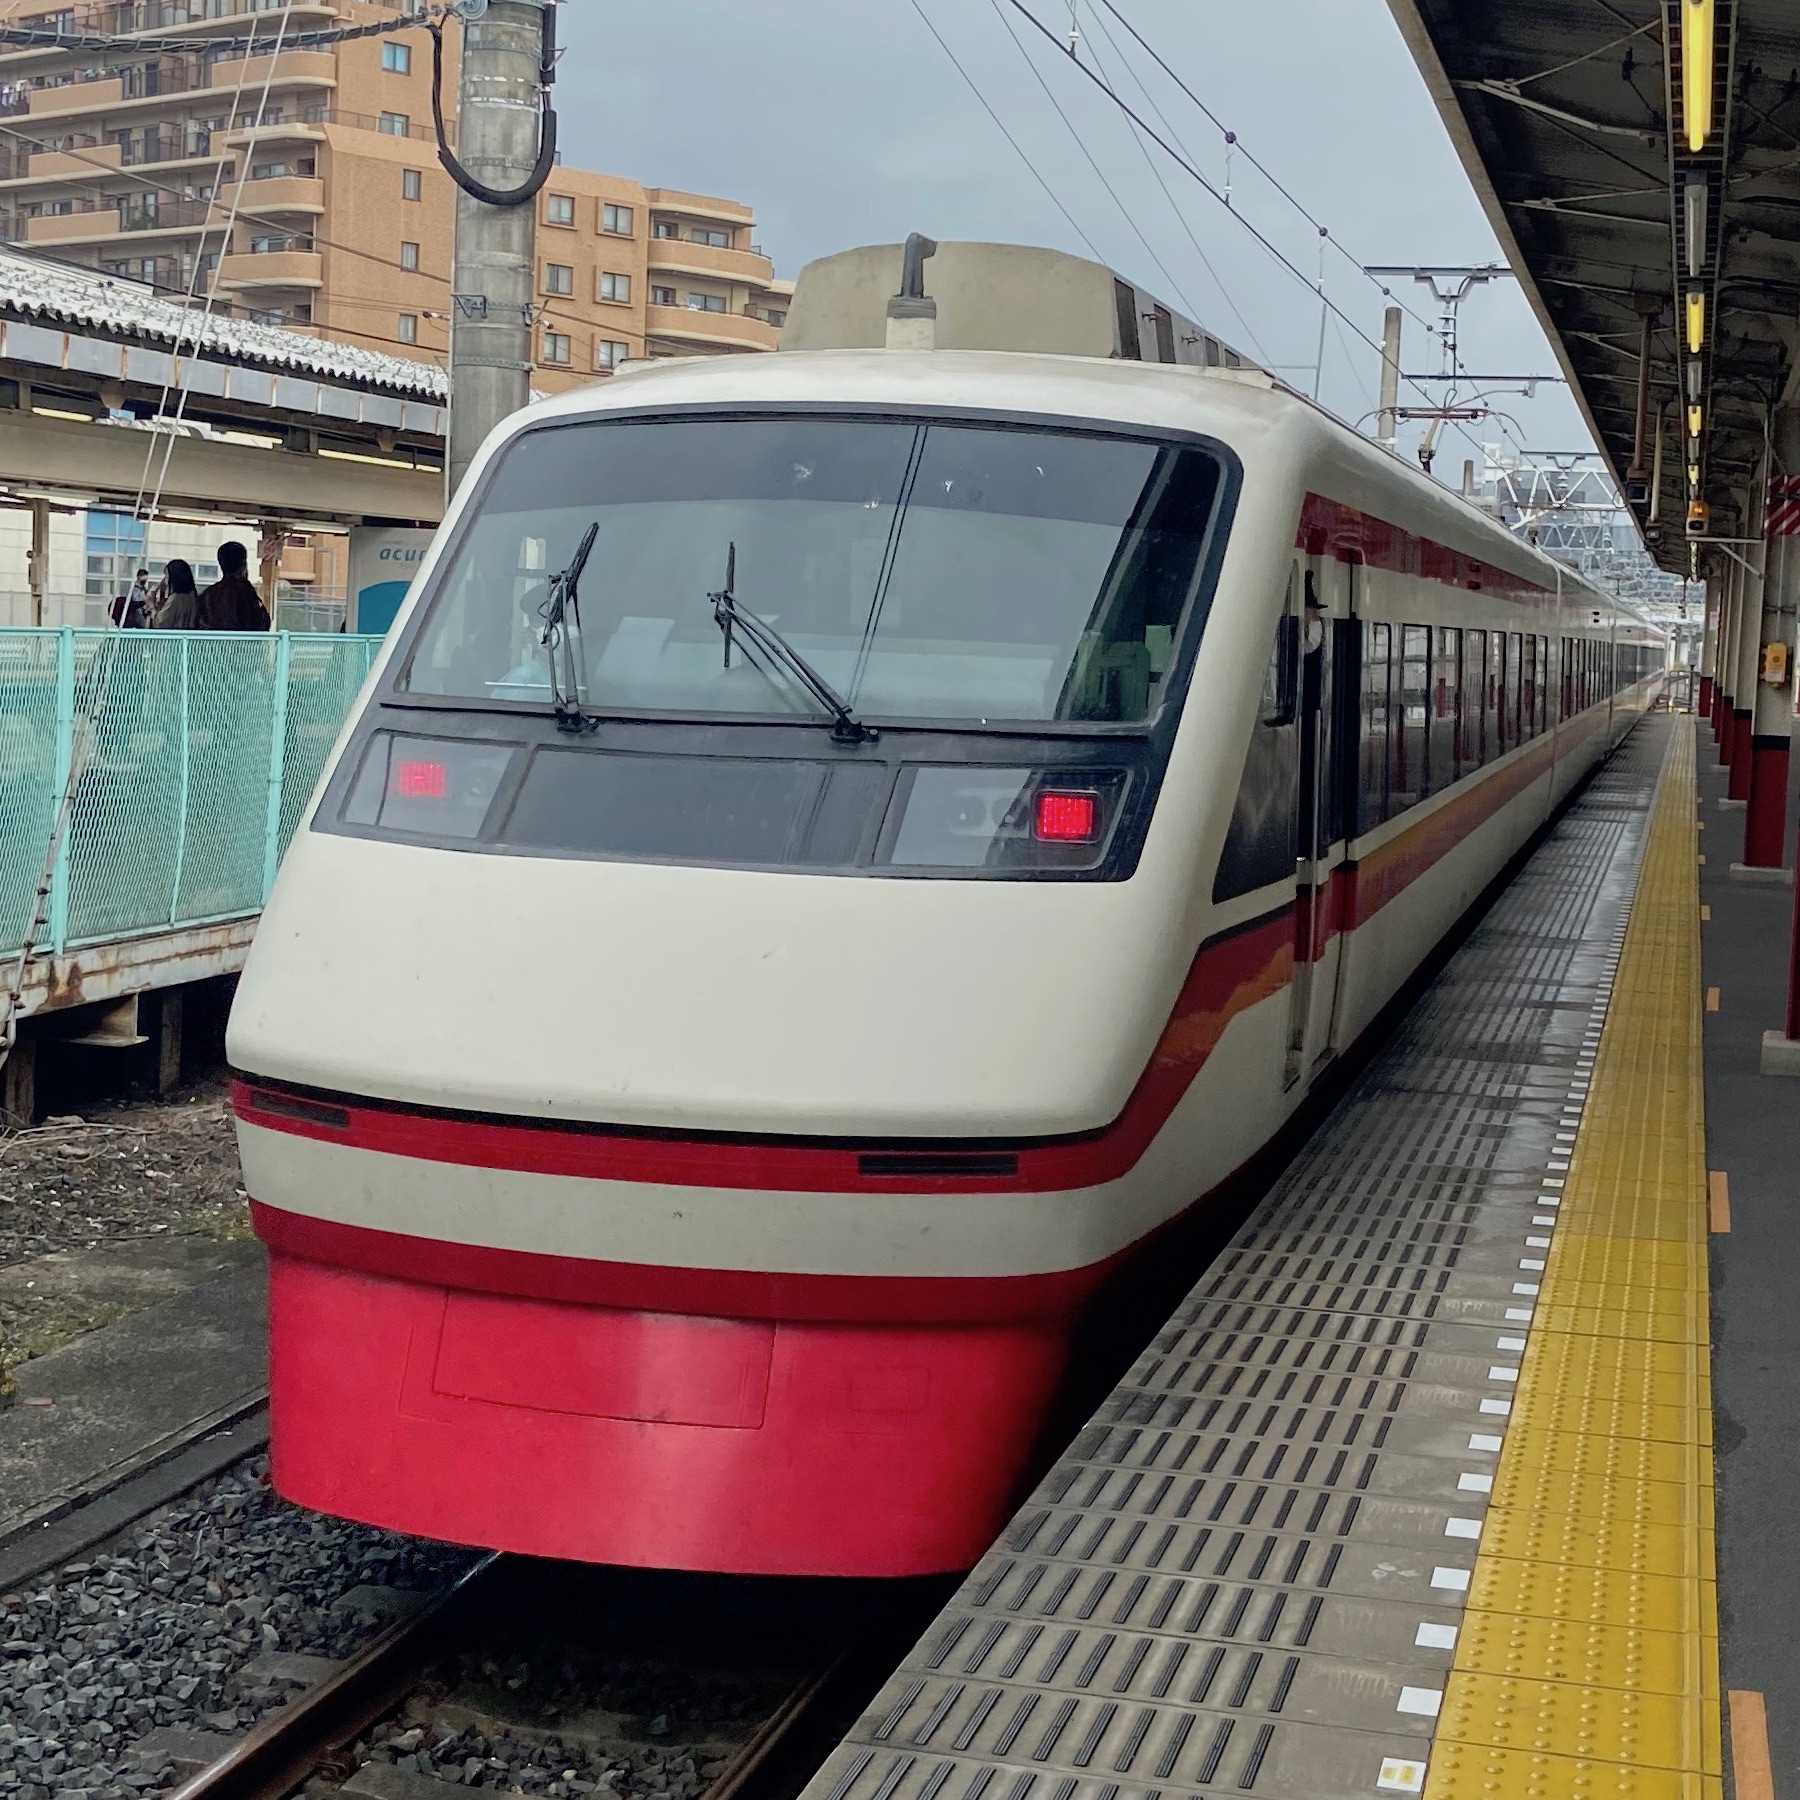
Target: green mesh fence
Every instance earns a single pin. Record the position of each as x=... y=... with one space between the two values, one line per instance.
x=198 y=753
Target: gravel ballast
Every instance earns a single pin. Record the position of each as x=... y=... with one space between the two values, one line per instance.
x=156 y=1631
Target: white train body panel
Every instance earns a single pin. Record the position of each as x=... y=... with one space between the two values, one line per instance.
x=645 y=1127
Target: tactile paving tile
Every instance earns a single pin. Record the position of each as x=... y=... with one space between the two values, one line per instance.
x=1588 y=1662
x=1248 y=1574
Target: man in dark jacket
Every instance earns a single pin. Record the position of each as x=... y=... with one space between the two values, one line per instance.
x=232 y=603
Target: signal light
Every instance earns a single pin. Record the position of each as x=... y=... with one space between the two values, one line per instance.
x=1062 y=818
x=421 y=780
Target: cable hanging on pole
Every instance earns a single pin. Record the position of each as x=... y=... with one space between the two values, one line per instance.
x=472 y=185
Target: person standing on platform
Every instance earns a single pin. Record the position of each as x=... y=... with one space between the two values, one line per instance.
x=181 y=611
x=232 y=602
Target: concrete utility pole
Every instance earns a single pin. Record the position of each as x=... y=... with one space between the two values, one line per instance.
x=500 y=137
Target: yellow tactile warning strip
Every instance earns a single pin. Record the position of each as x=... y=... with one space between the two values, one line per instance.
x=1587 y=1664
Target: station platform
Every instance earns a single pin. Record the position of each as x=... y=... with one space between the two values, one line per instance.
x=1414 y=1493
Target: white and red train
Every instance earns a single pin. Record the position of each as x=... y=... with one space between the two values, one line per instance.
x=691 y=1077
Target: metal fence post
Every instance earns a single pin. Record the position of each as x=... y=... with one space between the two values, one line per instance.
x=284 y=645
x=186 y=752
x=65 y=762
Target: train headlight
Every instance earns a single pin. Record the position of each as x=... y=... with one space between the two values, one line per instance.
x=438 y=787
x=1060 y=817
x=1004 y=820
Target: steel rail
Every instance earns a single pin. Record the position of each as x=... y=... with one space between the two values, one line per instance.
x=294 y=1742
x=307 y=1735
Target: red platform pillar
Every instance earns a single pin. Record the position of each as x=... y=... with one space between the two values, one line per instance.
x=1765 y=797
x=1704 y=706
x=1772 y=692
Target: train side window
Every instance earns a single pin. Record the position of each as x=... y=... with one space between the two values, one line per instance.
x=1471 y=749
x=1259 y=842
x=1164 y=322
x=1568 y=678
x=1510 y=701
x=1494 y=742
x=1408 y=773
x=1376 y=676
x=1125 y=311
x=1543 y=686
x=1281 y=679
x=1446 y=699
x=1528 y=689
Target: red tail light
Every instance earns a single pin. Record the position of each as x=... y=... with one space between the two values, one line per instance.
x=420 y=780
x=1066 y=818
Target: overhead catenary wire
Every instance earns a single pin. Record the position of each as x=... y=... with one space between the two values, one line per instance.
x=1000 y=125
x=1080 y=144
x=1174 y=206
x=205 y=310
x=1238 y=147
x=1186 y=163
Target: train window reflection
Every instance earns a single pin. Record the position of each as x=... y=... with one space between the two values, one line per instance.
x=925 y=570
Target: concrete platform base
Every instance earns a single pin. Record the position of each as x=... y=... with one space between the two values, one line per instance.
x=132 y=1393
x=1756 y=877
x=1780 y=1055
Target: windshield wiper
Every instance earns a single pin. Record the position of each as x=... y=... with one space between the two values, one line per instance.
x=733 y=617
x=564 y=605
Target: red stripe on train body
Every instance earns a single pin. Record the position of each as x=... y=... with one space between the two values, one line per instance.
x=632 y=1202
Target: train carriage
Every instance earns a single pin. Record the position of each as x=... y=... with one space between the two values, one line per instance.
x=693 y=1071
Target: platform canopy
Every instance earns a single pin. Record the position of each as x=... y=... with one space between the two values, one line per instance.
x=1640 y=161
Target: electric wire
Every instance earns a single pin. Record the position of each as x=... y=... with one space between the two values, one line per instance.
x=205 y=312
x=1124 y=211
x=1174 y=206
x=1237 y=144
x=1185 y=163
x=1036 y=173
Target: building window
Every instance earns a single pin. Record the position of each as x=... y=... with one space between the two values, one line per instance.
x=267 y=315
x=615 y=287
x=667 y=228
x=394 y=124
x=556 y=347
x=559 y=209
x=559 y=278
x=412 y=184
x=396 y=58
x=619 y=220
x=775 y=318
x=409 y=256
x=609 y=353
x=706 y=302
x=703 y=234
x=662 y=296
x=409 y=328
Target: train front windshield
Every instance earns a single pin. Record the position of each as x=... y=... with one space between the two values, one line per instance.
x=926 y=570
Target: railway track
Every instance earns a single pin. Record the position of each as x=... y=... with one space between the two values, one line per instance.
x=804 y=1671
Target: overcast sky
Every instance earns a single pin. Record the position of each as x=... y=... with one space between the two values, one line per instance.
x=844 y=122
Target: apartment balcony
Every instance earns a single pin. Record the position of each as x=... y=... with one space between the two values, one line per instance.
x=74 y=97
x=708 y=208
x=284 y=194
x=197 y=18
x=44 y=164
x=272 y=269
x=676 y=256
x=290 y=69
x=700 y=331
x=74 y=228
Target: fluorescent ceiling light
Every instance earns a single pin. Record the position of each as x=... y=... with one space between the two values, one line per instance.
x=1696 y=321
x=1693 y=201
x=1697 y=71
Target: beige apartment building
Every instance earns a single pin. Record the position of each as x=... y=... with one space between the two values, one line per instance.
x=303 y=186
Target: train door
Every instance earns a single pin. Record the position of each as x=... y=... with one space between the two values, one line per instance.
x=1330 y=683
